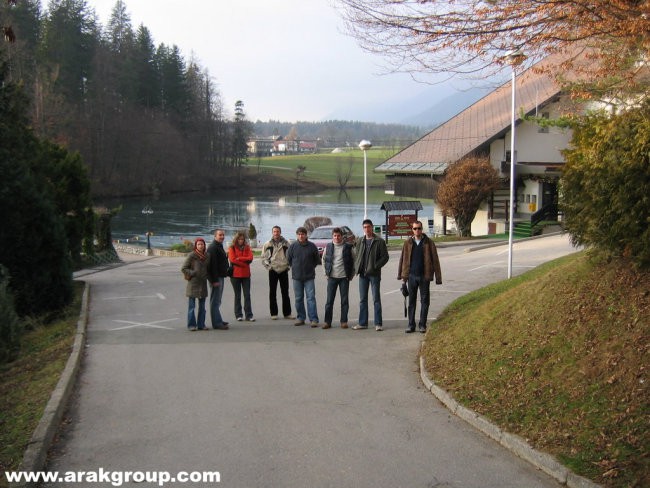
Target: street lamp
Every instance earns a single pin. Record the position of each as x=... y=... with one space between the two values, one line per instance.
x=147 y=211
x=364 y=146
x=514 y=59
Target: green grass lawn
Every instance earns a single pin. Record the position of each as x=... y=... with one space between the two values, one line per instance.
x=558 y=356
x=324 y=167
x=27 y=383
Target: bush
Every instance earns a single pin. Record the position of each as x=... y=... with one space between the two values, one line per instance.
x=32 y=235
x=606 y=184
x=9 y=324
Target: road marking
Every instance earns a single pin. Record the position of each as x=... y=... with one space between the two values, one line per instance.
x=500 y=264
x=143 y=324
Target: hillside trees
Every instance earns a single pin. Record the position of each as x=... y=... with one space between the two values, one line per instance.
x=467 y=184
x=141 y=117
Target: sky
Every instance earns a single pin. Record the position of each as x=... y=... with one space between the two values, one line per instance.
x=287 y=60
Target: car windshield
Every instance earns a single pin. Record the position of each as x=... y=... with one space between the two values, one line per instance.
x=321 y=234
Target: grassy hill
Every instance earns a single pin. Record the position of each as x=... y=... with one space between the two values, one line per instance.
x=558 y=356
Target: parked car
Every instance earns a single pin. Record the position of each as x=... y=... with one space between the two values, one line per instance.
x=322 y=235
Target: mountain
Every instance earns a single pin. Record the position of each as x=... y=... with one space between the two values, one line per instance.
x=440 y=102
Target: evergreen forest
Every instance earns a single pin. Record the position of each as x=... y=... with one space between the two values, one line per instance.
x=143 y=118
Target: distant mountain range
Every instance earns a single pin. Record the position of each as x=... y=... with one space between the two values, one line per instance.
x=442 y=102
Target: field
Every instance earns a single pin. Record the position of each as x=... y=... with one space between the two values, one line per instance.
x=325 y=167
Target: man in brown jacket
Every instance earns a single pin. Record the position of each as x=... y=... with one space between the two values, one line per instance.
x=419 y=265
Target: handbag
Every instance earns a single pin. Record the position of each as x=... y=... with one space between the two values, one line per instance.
x=230 y=270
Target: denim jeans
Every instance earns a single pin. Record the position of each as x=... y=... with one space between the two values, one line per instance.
x=216 y=294
x=364 y=283
x=239 y=285
x=283 y=279
x=416 y=282
x=308 y=288
x=193 y=321
x=332 y=284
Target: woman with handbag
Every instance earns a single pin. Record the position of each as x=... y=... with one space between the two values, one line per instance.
x=195 y=271
x=240 y=256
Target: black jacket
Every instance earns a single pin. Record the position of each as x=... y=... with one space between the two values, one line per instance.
x=218 y=265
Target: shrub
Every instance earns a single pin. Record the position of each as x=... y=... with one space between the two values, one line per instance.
x=9 y=324
x=606 y=184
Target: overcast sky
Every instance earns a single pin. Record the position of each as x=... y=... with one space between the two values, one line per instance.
x=287 y=60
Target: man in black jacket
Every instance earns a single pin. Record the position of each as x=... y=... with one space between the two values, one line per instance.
x=217 y=271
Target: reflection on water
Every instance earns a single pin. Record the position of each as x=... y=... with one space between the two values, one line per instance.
x=178 y=217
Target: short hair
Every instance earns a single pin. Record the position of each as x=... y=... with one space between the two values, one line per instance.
x=276 y=227
x=219 y=230
x=337 y=230
x=301 y=230
x=367 y=221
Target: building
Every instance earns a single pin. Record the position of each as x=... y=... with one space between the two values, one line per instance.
x=484 y=128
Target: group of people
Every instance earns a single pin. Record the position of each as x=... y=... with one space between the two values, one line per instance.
x=209 y=266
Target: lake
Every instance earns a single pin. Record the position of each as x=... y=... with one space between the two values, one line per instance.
x=186 y=216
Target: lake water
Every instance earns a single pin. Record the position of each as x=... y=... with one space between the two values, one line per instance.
x=186 y=216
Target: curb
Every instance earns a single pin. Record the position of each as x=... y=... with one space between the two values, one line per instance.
x=35 y=456
x=514 y=443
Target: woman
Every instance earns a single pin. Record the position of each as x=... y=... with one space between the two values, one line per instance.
x=241 y=257
x=195 y=270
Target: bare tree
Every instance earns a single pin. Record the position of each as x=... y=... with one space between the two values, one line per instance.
x=343 y=173
x=471 y=36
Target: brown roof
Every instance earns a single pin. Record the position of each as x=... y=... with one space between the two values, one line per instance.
x=473 y=128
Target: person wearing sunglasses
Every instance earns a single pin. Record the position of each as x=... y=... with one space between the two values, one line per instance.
x=418 y=266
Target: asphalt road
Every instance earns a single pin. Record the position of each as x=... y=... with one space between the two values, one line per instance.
x=268 y=404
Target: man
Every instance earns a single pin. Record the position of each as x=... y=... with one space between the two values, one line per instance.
x=274 y=259
x=339 y=269
x=419 y=265
x=303 y=257
x=371 y=255
x=217 y=271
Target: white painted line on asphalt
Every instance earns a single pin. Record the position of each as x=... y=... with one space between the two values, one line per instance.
x=161 y=296
x=143 y=324
x=487 y=266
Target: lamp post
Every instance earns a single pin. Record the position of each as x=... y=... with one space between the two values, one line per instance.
x=364 y=146
x=147 y=211
x=514 y=59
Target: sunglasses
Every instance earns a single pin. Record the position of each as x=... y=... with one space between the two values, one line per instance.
x=417 y=228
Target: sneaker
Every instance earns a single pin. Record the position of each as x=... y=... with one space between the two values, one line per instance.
x=250 y=319
x=314 y=323
x=378 y=328
x=290 y=317
x=327 y=326
x=344 y=325
x=239 y=319
x=409 y=331
x=223 y=326
x=193 y=328
x=300 y=322
x=359 y=327
x=274 y=317
x=423 y=330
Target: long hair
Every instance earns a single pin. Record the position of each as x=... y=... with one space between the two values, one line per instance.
x=236 y=237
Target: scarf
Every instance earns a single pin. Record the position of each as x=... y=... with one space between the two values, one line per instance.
x=201 y=255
